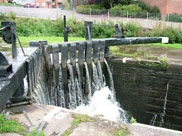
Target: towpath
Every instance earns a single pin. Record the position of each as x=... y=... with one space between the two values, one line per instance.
x=55 y=13
x=60 y=121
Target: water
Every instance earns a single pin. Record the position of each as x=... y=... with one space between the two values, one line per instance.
x=164 y=107
x=152 y=122
x=163 y=113
x=103 y=102
x=88 y=94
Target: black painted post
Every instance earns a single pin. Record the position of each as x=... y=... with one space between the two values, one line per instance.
x=13 y=37
x=66 y=30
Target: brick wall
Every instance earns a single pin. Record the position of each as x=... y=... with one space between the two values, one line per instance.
x=166 y=6
x=141 y=90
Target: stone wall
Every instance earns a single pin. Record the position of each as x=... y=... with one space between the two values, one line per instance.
x=166 y=6
x=142 y=88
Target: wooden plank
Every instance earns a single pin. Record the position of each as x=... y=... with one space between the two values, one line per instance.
x=102 y=50
x=64 y=55
x=55 y=54
x=89 y=52
x=73 y=54
x=81 y=52
x=95 y=50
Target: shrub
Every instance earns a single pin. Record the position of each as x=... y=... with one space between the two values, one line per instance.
x=133 y=30
x=174 y=18
x=133 y=11
x=93 y=8
x=175 y=35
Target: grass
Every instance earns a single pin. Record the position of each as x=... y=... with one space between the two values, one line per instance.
x=123 y=131
x=25 y=40
x=172 y=46
x=11 y=126
x=34 y=133
x=9 y=4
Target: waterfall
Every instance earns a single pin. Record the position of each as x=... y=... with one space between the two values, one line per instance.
x=103 y=101
x=41 y=94
x=88 y=81
x=60 y=95
x=88 y=94
x=72 y=88
x=110 y=77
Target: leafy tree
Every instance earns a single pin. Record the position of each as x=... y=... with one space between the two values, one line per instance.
x=124 y=2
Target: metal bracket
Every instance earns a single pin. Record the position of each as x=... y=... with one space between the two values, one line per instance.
x=119 y=31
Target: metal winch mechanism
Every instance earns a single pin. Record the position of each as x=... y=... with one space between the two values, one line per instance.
x=8 y=29
x=9 y=36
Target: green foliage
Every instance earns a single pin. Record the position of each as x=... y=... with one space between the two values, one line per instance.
x=121 y=10
x=11 y=126
x=9 y=4
x=138 y=10
x=124 y=2
x=133 y=30
x=175 y=35
x=25 y=40
x=163 y=61
x=34 y=133
x=132 y=120
x=67 y=132
x=93 y=9
x=174 y=18
x=154 y=9
x=29 y=27
x=123 y=131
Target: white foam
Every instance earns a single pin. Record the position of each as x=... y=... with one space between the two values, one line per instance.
x=103 y=105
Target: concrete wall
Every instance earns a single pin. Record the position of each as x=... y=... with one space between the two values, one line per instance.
x=166 y=6
x=141 y=90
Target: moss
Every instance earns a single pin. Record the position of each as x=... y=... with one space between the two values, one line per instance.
x=79 y=118
x=163 y=62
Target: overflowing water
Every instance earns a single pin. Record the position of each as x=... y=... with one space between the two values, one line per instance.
x=103 y=105
x=164 y=107
x=88 y=94
x=163 y=113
